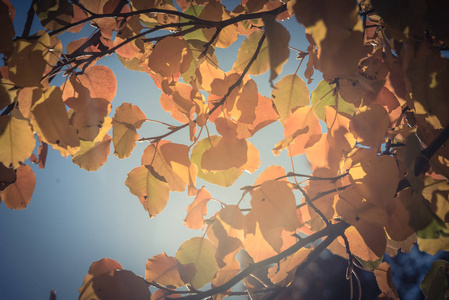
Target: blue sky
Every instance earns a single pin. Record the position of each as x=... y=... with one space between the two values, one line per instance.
x=76 y=217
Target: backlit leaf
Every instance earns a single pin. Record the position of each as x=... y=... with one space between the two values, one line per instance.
x=171 y=55
x=223 y=178
x=51 y=121
x=326 y=94
x=201 y=253
x=369 y=125
x=166 y=270
x=149 y=187
x=170 y=161
x=18 y=194
x=99 y=80
x=273 y=205
x=246 y=52
x=289 y=93
x=299 y=128
x=93 y=155
x=128 y=118
x=238 y=153
x=376 y=179
x=17 y=140
x=279 y=273
x=197 y=210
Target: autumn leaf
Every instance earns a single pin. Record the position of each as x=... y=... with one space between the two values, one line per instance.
x=51 y=121
x=366 y=241
x=376 y=179
x=435 y=284
x=299 y=128
x=246 y=52
x=255 y=243
x=17 y=140
x=384 y=279
x=277 y=38
x=223 y=178
x=168 y=271
x=197 y=210
x=369 y=125
x=128 y=118
x=93 y=155
x=339 y=136
x=271 y=173
x=151 y=188
x=31 y=58
x=17 y=195
x=326 y=94
x=171 y=161
x=201 y=253
x=274 y=205
x=8 y=33
x=171 y=55
x=285 y=269
x=289 y=93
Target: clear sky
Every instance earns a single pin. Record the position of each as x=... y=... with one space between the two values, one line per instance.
x=76 y=217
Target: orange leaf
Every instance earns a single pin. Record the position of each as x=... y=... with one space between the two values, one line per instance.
x=170 y=55
x=338 y=135
x=369 y=125
x=299 y=128
x=166 y=270
x=104 y=265
x=99 y=80
x=255 y=243
x=197 y=210
x=238 y=153
x=128 y=118
x=375 y=179
x=274 y=204
x=366 y=241
x=17 y=195
x=271 y=173
x=150 y=187
x=321 y=155
x=172 y=162
x=223 y=178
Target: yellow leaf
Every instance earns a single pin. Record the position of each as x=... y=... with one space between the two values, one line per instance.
x=18 y=194
x=246 y=52
x=170 y=161
x=93 y=155
x=278 y=38
x=51 y=121
x=289 y=93
x=30 y=59
x=200 y=252
x=17 y=140
x=279 y=273
x=149 y=187
x=376 y=179
x=128 y=118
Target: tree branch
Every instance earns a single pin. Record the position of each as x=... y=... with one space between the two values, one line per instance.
x=332 y=232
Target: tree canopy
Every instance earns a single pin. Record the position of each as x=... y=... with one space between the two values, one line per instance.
x=374 y=131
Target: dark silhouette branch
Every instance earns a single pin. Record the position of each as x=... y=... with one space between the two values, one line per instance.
x=331 y=232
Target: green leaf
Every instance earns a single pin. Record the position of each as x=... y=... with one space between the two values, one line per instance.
x=289 y=93
x=200 y=252
x=435 y=284
x=326 y=94
x=246 y=52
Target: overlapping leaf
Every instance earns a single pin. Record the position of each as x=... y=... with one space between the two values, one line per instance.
x=17 y=195
x=128 y=118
